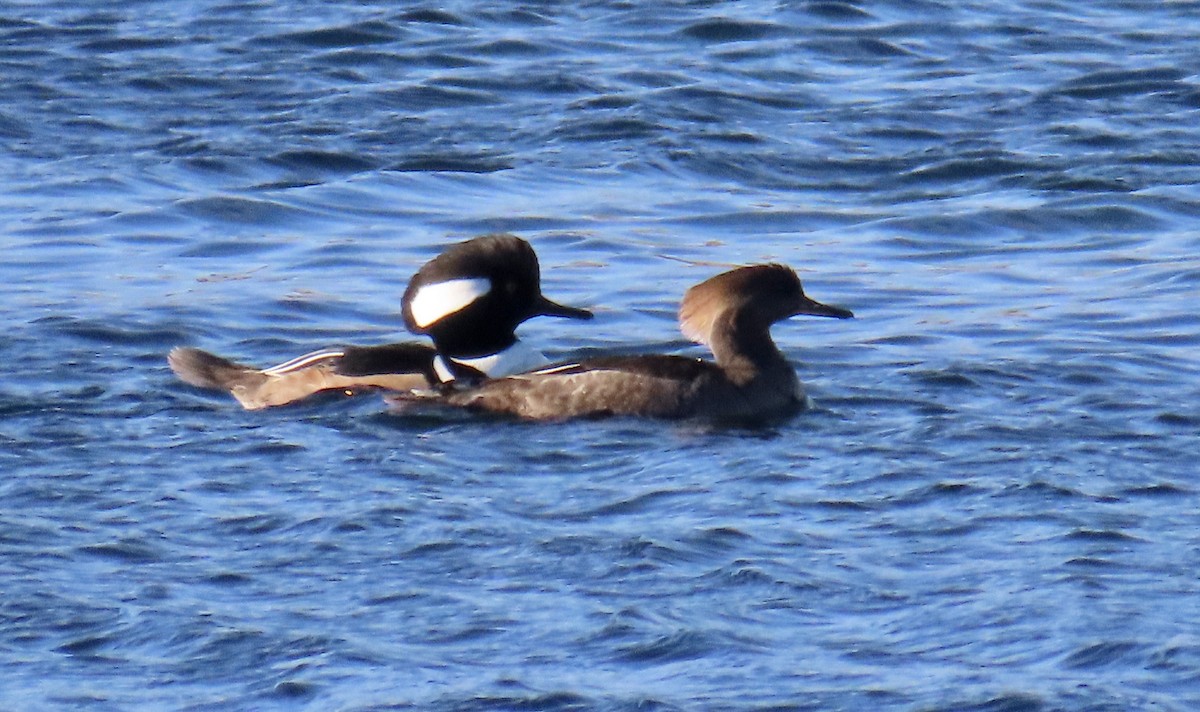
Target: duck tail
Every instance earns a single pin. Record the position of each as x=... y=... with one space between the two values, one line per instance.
x=205 y=370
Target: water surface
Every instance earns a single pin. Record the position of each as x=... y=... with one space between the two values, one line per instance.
x=991 y=507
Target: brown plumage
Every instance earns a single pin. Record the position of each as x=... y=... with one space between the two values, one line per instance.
x=256 y=389
x=731 y=313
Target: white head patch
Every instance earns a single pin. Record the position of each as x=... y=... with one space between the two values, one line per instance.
x=441 y=299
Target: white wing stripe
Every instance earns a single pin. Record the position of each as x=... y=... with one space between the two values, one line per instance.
x=302 y=361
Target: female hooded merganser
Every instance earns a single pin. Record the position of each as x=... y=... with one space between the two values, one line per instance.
x=470 y=300
x=731 y=314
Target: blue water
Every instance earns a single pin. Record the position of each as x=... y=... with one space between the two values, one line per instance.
x=993 y=505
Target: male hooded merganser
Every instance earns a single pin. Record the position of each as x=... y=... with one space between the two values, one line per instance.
x=731 y=314
x=470 y=300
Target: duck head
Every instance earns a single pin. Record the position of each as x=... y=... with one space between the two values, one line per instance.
x=749 y=299
x=471 y=298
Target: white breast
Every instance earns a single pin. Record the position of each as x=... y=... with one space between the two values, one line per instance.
x=517 y=358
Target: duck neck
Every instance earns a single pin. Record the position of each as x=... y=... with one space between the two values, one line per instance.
x=474 y=344
x=744 y=349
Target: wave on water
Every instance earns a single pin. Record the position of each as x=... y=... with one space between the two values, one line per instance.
x=988 y=506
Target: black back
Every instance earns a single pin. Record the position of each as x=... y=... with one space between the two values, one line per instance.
x=388 y=359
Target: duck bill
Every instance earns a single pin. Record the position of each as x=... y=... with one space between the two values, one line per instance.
x=545 y=307
x=815 y=308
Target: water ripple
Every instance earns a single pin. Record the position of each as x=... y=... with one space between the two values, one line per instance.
x=354 y=35
x=994 y=475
